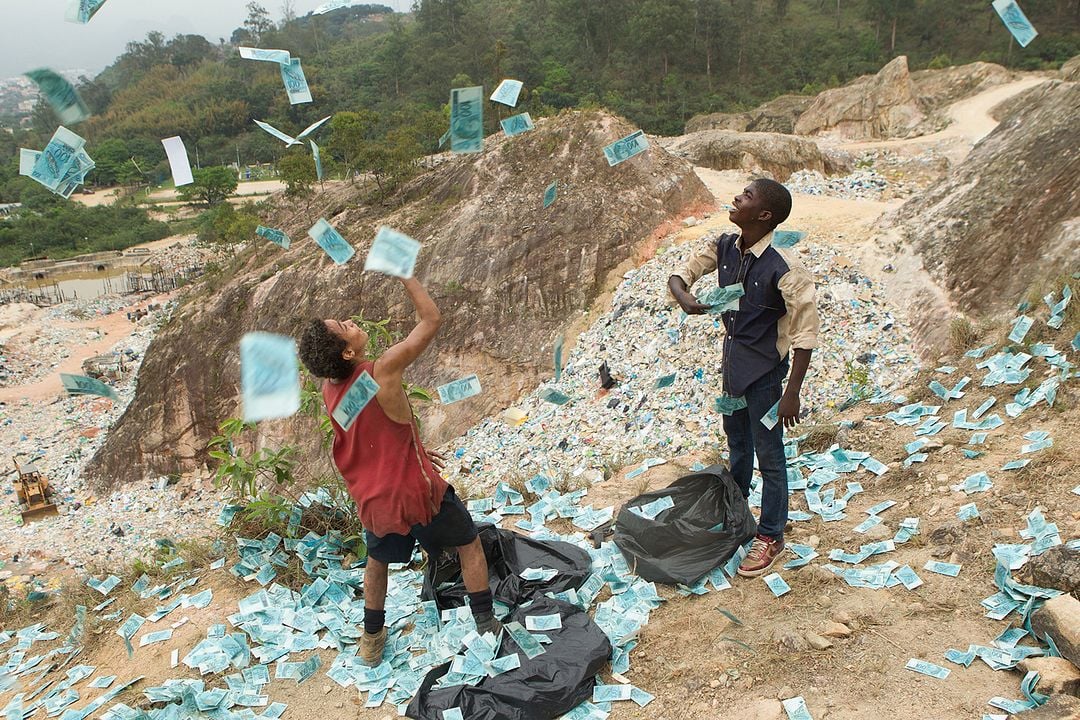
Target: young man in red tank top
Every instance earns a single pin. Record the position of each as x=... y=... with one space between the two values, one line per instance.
x=400 y=496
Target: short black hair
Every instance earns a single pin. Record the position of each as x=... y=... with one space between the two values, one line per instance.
x=321 y=352
x=776 y=198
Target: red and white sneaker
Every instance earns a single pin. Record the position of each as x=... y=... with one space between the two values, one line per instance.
x=762 y=555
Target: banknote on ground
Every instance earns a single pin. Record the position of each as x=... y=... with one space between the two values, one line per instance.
x=551 y=194
x=393 y=253
x=296 y=84
x=61 y=96
x=626 y=148
x=459 y=390
x=178 y=161
x=82 y=385
x=352 y=403
x=517 y=124
x=507 y=93
x=787 y=238
x=330 y=240
x=269 y=376
x=467 y=120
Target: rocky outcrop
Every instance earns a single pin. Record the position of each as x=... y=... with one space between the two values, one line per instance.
x=1071 y=70
x=507 y=274
x=937 y=89
x=1008 y=217
x=773 y=153
x=776 y=116
x=874 y=106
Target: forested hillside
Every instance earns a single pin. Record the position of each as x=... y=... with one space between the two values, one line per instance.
x=656 y=62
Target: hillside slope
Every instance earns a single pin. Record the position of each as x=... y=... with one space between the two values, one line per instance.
x=507 y=274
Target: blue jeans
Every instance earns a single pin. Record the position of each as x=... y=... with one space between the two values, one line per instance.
x=745 y=435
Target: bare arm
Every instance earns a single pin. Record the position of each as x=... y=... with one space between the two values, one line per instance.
x=393 y=362
x=790 y=406
x=679 y=284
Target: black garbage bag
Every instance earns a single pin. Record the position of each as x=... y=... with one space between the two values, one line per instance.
x=507 y=555
x=544 y=687
x=680 y=545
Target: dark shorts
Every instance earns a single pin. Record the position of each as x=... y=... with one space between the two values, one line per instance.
x=452 y=526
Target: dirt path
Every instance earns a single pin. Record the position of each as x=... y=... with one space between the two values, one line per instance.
x=970 y=121
x=114 y=328
x=245 y=189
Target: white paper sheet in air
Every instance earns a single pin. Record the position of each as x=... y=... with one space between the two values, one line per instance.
x=178 y=161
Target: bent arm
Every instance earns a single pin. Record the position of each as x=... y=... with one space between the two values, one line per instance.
x=394 y=361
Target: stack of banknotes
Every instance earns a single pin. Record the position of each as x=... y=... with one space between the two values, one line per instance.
x=62 y=166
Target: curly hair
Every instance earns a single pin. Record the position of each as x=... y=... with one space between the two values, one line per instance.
x=777 y=199
x=320 y=351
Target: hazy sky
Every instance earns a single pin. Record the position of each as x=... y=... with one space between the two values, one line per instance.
x=33 y=33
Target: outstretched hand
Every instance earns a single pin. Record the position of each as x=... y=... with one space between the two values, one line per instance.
x=690 y=304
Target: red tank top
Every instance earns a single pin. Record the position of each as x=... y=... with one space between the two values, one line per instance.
x=385 y=466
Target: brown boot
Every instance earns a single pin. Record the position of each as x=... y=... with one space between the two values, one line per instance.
x=371 y=647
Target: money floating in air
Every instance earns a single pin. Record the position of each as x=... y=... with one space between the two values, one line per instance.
x=281 y=57
x=275 y=236
x=269 y=376
x=393 y=253
x=178 y=161
x=62 y=166
x=61 y=96
x=517 y=124
x=467 y=120
x=1016 y=21
x=626 y=148
x=330 y=240
x=459 y=390
x=80 y=11
x=507 y=93
x=787 y=238
x=296 y=84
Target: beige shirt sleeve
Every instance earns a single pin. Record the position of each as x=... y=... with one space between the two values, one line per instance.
x=700 y=265
x=801 y=325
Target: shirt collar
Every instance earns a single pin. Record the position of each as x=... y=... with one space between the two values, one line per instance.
x=758 y=248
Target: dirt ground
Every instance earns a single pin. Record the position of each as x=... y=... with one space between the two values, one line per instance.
x=700 y=664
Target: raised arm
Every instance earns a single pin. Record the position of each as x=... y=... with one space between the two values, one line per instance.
x=394 y=361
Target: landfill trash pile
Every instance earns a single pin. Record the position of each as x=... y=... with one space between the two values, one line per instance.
x=645 y=340
x=60 y=438
x=863 y=184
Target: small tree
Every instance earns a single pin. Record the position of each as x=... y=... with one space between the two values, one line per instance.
x=297 y=171
x=212 y=186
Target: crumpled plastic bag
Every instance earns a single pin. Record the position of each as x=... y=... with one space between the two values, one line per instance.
x=709 y=521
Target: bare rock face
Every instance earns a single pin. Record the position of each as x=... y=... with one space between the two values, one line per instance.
x=1071 y=70
x=937 y=89
x=874 y=106
x=506 y=273
x=1058 y=568
x=1006 y=218
x=776 y=154
x=776 y=116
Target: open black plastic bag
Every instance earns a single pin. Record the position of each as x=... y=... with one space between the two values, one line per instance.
x=544 y=687
x=708 y=523
x=507 y=555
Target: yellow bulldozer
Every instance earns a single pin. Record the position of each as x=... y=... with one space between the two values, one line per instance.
x=32 y=490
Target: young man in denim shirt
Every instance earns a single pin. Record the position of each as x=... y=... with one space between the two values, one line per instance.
x=775 y=326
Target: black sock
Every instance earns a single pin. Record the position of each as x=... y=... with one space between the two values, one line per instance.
x=480 y=602
x=374 y=620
